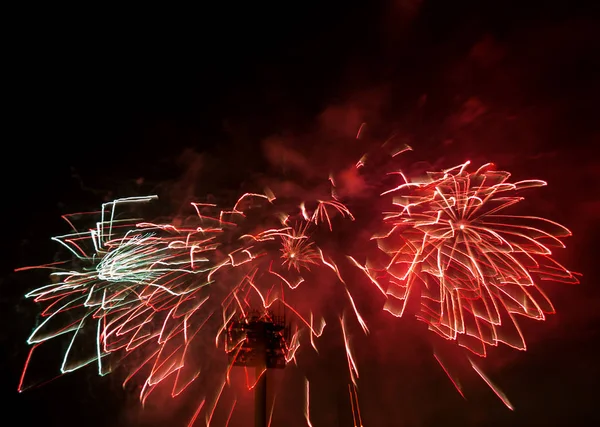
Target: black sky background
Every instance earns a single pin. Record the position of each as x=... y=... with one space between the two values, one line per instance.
x=106 y=98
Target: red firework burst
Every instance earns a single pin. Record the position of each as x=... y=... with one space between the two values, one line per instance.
x=158 y=299
x=297 y=250
x=476 y=267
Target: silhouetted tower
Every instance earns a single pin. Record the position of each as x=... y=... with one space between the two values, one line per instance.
x=263 y=347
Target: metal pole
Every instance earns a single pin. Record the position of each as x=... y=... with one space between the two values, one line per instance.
x=260 y=398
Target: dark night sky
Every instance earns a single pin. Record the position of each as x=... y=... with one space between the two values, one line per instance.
x=102 y=101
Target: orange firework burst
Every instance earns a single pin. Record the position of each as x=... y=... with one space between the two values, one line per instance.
x=298 y=251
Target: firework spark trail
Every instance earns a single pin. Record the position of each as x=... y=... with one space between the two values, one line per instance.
x=491 y=385
x=271 y=411
x=307 y=402
x=198 y=410
x=150 y=292
x=230 y=413
x=356 y=417
x=452 y=378
x=352 y=367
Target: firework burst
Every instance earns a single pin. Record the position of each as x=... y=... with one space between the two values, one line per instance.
x=159 y=300
x=153 y=295
x=476 y=267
